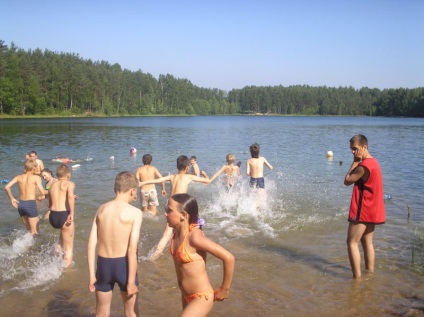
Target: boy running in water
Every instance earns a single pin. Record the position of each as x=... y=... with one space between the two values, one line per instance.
x=179 y=185
x=28 y=183
x=148 y=193
x=255 y=169
x=62 y=210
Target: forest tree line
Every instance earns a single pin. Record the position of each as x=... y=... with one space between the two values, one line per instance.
x=36 y=82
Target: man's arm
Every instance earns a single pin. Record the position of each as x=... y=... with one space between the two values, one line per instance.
x=91 y=255
x=218 y=173
x=247 y=168
x=156 y=181
x=196 y=170
x=354 y=174
x=8 y=190
x=267 y=164
x=40 y=188
x=132 y=253
x=159 y=175
x=41 y=165
x=204 y=180
x=70 y=196
x=137 y=174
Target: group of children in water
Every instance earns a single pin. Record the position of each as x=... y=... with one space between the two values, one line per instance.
x=116 y=228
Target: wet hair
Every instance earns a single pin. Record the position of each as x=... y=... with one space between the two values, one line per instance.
x=231 y=158
x=147 y=159
x=125 y=181
x=46 y=170
x=62 y=170
x=188 y=204
x=30 y=164
x=254 y=150
x=182 y=162
x=193 y=158
x=359 y=139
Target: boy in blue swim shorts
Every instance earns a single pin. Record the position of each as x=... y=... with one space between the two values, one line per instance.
x=115 y=233
x=28 y=182
x=255 y=169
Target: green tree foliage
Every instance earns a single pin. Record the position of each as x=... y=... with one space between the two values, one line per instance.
x=45 y=82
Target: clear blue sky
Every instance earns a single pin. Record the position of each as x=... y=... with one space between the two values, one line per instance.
x=232 y=44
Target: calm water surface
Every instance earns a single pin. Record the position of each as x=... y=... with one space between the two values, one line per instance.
x=291 y=258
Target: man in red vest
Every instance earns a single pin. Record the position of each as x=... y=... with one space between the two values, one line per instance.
x=366 y=206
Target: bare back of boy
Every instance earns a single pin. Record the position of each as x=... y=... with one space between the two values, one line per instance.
x=61 y=216
x=115 y=221
x=59 y=195
x=28 y=184
x=255 y=167
x=146 y=173
x=115 y=232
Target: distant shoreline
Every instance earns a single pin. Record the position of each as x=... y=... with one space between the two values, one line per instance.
x=6 y=117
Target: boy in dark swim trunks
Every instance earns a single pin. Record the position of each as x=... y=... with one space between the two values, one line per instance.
x=27 y=207
x=115 y=232
x=255 y=169
x=62 y=209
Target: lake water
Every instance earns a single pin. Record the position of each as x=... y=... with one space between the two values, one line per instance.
x=291 y=259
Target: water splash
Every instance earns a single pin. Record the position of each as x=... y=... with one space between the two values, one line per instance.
x=27 y=262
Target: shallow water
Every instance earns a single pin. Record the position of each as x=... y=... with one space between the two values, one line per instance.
x=291 y=258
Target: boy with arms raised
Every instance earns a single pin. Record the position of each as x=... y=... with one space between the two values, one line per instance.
x=115 y=232
x=179 y=185
x=28 y=183
x=62 y=209
x=148 y=194
x=232 y=172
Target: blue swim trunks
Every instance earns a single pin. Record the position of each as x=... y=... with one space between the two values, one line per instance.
x=259 y=182
x=27 y=208
x=58 y=218
x=111 y=271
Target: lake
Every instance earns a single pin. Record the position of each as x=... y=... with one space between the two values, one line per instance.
x=291 y=258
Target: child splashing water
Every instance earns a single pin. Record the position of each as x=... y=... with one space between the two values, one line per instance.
x=189 y=247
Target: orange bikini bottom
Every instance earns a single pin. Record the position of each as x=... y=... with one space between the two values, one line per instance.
x=206 y=295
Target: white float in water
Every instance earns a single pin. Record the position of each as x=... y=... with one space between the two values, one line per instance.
x=330 y=154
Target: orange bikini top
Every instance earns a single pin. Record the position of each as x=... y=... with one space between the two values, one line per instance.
x=182 y=254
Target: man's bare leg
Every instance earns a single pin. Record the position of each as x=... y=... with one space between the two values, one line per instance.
x=354 y=235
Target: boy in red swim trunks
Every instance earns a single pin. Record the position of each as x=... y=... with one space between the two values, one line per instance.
x=28 y=184
x=62 y=210
x=115 y=232
x=366 y=206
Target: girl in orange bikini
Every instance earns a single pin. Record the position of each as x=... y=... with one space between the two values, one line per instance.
x=189 y=247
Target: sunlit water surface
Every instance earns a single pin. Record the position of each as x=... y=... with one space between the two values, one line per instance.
x=291 y=257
